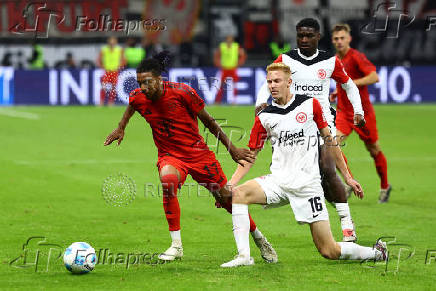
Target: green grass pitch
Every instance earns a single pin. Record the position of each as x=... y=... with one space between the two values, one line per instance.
x=53 y=164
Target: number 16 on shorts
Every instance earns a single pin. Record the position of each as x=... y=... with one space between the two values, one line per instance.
x=316 y=205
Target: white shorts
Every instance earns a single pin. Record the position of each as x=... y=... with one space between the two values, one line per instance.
x=307 y=203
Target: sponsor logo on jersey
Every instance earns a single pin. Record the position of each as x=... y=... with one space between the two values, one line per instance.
x=306 y=88
x=301 y=117
x=322 y=74
x=288 y=138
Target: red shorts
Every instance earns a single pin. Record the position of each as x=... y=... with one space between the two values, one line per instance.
x=207 y=172
x=110 y=77
x=368 y=133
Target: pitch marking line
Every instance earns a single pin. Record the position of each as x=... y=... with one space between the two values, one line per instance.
x=18 y=114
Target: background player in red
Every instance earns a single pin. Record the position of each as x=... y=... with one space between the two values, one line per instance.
x=172 y=110
x=363 y=73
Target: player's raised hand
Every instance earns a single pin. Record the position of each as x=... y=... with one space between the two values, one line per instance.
x=359 y=120
x=239 y=154
x=357 y=189
x=117 y=134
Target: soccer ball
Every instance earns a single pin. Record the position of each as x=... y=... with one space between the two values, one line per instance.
x=79 y=258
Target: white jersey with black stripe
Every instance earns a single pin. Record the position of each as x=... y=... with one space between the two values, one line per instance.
x=293 y=132
x=311 y=76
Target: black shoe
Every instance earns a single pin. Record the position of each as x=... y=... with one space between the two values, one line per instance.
x=384 y=194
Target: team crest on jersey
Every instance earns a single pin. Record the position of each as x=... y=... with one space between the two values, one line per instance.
x=301 y=117
x=322 y=74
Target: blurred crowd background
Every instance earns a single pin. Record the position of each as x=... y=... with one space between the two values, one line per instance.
x=71 y=33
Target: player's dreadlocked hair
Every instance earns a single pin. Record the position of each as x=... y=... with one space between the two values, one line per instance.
x=156 y=65
x=309 y=22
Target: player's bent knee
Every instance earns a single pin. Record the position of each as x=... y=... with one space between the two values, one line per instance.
x=240 y=195
x=329 y=253
x=329 y=171
x=169 y=185
x=373 y=150
x=328 y=167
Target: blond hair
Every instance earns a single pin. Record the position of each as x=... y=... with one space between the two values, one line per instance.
x=341 y=27
x=279 y=67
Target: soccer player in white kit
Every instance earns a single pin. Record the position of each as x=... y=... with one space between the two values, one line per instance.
x=312 y=70
x=292 y=123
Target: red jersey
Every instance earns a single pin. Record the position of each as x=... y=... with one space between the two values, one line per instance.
x=173 y=120
x=357 y=66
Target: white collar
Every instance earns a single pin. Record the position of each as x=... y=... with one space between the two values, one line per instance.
x=286 y=105
x=308 y=58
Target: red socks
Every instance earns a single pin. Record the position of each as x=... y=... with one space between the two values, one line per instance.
x=228 y=207
x=170 y=201
x=382 y=169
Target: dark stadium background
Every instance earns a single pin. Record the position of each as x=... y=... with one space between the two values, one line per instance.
x=399 y=37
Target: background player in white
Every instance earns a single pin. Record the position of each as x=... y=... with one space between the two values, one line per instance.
x=292 y=124
x=312 y=70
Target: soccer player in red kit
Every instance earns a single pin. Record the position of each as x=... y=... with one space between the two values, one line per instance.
x=363 y=73
x=172 y=110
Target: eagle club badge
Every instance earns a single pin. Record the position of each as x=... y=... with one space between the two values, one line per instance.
x=322 y=74
x=301 y=117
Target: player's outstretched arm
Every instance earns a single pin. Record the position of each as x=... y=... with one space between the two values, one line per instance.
x=334 y=149
x=369 y=79
x=238 y=154
x=241 y=171
x=118 y=133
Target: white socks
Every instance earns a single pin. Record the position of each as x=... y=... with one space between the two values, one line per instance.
x=241 y=228
x=344 y=213
x=175 y=237
x=256 y=234
x=352 y=251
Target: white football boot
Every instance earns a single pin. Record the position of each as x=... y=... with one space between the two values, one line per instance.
x=175 y=251
x=349 y=234
x=239 y=260
x=382 y=254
